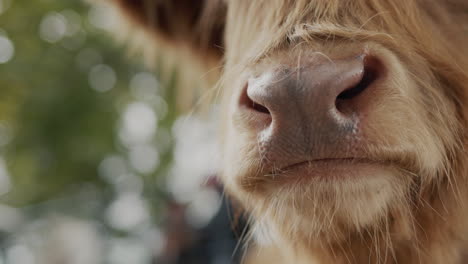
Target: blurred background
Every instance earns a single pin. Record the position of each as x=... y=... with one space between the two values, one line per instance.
x=97 y=164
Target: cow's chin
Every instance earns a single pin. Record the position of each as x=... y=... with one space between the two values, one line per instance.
x=324 y=201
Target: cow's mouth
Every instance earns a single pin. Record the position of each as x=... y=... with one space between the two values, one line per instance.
x=328 y=169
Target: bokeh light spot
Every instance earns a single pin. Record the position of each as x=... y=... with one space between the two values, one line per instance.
x=103 y=16
x=114 y=170
x=127 y=212
x=10 y=218
x=7 y=49
x=85 y=247
x=73 y=22
x=102 y=78
x=112 y=167
x=144 y=86
x=53 y=27
x=125 y=251
x=139 y=124
x=144 y=158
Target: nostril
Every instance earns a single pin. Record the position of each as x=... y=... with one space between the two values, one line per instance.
x=370 y=74
x=248 y=102
x=259 y=108
x=367 y=78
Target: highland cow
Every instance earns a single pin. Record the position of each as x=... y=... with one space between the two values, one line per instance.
x=345 y=121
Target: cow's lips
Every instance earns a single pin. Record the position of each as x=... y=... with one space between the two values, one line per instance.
x=329 y=168
x=324 y=170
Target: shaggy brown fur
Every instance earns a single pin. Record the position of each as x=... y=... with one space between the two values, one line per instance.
x=413 y=207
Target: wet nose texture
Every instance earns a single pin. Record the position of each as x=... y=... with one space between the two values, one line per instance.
x=307 y=109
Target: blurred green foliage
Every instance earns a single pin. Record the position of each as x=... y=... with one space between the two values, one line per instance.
x=58 y=129
x=87 y=140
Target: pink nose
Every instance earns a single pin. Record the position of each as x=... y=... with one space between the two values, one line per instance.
x=301 y=111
